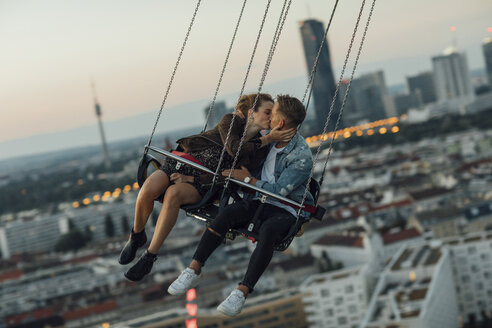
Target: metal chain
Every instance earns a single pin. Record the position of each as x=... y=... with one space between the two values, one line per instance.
x=316 y=61
x=350 y=83
x=210 y=110
x=276 y=37
x=243 y=86
x=174 y=72
x=334 y=98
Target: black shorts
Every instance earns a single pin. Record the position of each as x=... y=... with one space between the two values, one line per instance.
x=209 y=158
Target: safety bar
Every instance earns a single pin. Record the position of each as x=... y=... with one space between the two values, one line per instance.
x=241 y=183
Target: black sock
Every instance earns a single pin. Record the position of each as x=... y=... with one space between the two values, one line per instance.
x=150 y=255
x=138 y=234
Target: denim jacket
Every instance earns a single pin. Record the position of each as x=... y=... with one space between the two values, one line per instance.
x=292 y=168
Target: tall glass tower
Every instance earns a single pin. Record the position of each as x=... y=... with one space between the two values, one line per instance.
x=487 y=53
x=312 y=33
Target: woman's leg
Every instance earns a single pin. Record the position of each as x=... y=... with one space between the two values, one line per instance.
x=175 y=196
x=153 y=186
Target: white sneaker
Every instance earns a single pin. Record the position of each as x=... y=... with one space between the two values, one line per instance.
x=233 y=304
x=186 y=280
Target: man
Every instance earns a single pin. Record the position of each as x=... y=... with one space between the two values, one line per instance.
x=285 y=172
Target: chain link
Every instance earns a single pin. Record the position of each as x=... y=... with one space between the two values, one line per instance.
x=336 y=93
x=276 y=37
x=243 y=86
x=210 y=110
x=174 y=73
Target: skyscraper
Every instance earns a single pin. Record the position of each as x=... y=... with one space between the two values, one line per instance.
x=487 y=53
x=451 y=76
x=324 y=86
x=371 y=96
x=423 y=83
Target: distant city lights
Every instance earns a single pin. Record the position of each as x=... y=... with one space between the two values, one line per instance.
x=106 y=196
x=359 y=130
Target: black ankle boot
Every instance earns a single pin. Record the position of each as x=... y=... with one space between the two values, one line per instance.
x=142 y=267
x=135 y=241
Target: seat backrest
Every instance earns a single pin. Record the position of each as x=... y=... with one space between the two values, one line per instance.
x=314 y=189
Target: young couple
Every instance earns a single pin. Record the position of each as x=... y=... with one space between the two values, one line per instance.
x=279 y=162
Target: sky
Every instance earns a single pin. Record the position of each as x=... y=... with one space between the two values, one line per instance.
x=52 y=49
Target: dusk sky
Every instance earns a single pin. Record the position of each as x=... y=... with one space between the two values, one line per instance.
x=52 y=48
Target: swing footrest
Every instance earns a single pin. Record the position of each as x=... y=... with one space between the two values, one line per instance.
x=319 y=214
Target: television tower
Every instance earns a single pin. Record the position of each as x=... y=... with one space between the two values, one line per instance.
x=101 y=129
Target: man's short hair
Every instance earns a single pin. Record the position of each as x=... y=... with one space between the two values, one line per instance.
x=292 y=109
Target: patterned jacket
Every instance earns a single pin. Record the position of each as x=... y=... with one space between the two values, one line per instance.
x=292 y=168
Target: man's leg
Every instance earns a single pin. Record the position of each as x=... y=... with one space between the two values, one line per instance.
x=275 y=225
x=232 y=216
x=274 y=228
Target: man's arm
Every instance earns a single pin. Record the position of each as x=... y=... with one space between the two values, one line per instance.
x=291 y=177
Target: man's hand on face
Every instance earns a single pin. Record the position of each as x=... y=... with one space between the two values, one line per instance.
x=238 y=174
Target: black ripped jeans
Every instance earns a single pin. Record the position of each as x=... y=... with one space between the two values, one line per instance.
x=274 y=221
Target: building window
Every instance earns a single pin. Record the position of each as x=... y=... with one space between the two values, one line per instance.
x=325 y=293
x=474 y=268
x=352 y=308
x=484 y=256
x=342 y=320
x=329 y=312
x=486 y=275
x=284 y=307
x=479 y=286
x=472 y=250
x=268 y=320
x=349 y=289
x=339 y=300
x=290 y=314
x=465 y=278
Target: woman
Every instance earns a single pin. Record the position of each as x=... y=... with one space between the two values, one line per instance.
x=183 y=187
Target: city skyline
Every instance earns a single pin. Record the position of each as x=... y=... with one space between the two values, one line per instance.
x=127 y=88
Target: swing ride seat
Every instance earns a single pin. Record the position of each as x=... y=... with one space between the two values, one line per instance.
x=208 y=208
x=316 y=213
x=204 y=209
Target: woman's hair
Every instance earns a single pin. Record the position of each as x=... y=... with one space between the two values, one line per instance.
x=246 y=102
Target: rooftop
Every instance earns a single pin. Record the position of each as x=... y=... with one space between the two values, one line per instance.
x=394 y=237
x=340 y=240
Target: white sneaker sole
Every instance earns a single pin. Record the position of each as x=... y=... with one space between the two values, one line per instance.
x=176 y=292
x=226 y=311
